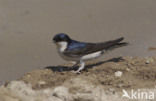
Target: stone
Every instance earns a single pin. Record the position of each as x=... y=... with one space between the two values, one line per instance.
x=118 y=74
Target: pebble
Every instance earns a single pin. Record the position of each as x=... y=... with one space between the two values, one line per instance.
x=41 y=82
x=118 y=74
x=127 y=69
x=149 y=60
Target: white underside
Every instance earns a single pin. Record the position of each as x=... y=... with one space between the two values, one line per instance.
x=91 y=56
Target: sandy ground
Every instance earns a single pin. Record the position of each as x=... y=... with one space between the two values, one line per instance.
x=137 y=73
x=27 y=26
x=100 y=81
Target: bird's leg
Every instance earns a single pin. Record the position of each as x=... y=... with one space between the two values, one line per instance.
x=75 y=64
x=82 y=65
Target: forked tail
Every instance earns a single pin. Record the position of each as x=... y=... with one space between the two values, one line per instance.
x=115 y=44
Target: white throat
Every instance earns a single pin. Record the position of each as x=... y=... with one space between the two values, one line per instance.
x=62 y=46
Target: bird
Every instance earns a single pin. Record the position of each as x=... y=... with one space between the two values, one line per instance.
x=79 y=52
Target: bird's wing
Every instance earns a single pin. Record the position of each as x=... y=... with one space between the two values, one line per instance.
x=81 y=49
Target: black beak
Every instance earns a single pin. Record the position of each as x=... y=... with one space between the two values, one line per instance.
x=54 y=40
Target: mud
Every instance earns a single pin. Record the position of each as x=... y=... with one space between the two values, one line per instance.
x=136 y=73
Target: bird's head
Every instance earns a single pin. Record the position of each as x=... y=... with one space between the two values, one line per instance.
x=61 y=40
x=61 y=37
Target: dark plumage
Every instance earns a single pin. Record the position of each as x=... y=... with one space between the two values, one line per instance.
x=77 y=49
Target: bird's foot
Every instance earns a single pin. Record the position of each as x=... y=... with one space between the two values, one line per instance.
x=76 y=72
x=80 y=68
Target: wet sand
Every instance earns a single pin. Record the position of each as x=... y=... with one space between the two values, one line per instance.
x=27 y=27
